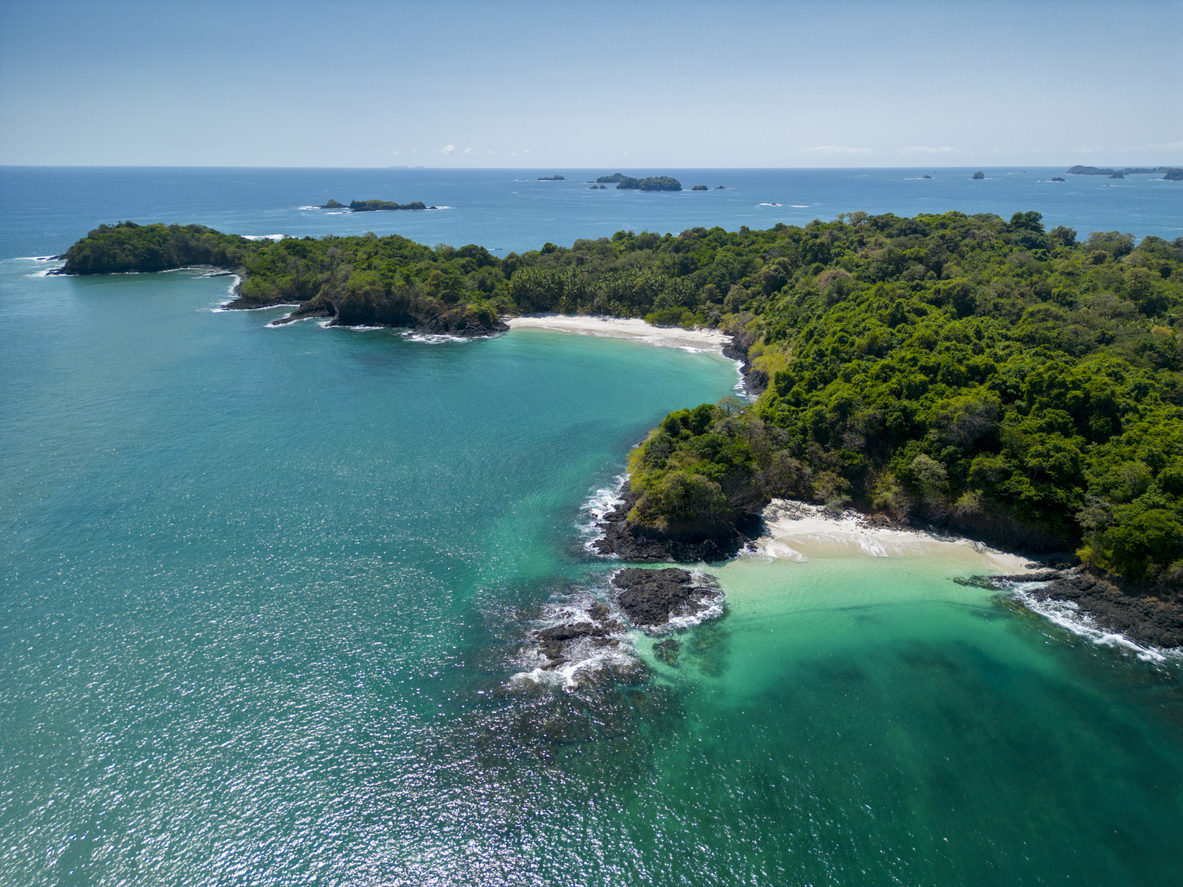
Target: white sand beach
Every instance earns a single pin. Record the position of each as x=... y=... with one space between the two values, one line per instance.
x=622 y=328
x=798 y=531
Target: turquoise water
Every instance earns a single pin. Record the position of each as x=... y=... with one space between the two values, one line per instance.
x=264 y=591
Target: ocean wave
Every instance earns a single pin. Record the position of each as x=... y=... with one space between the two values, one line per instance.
x=771 y=549
x=286 y=320
x=46 y=270
x=595 y=645
x=767 y=204
x=1069 y=616
x=223 y=307
x=437 y=338
x=713 y=609
x=595 y=508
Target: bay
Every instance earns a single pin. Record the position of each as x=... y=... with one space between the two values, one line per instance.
x=265 y=591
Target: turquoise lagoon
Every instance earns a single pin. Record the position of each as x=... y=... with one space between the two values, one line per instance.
x=264 y=592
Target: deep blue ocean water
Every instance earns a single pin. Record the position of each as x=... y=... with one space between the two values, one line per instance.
x=263 y=592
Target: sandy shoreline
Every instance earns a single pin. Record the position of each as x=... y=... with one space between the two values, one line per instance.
x=797 y=531
x=624 y=328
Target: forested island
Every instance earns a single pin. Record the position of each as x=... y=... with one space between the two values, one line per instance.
x=987 y=376
x=652 y=183
x=369 y=206
x=1170 y=173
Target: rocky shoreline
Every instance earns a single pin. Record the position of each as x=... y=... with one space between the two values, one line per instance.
x=1141 y=617
x=646 y=546
x=587 y=642
x=1137 y=614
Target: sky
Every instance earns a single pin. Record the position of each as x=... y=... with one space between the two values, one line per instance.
x=569 y=84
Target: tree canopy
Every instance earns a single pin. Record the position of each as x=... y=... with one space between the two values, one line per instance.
x=1015 y=383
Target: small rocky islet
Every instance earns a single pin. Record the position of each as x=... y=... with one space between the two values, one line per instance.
x=657 y=602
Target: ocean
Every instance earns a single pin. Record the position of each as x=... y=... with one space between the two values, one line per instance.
x=267 y=593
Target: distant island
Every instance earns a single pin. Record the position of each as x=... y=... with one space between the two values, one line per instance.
x=653 y=183
x=700 y=188
x=555 y=178
x=1170 y=173
x=978 y=175
x=371 y=206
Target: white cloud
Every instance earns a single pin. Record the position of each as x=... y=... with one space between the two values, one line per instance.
x=1167 y=146
x=527 y=150
x=926 y=149
x=468 y=150
x=450 y=149
x=834 y=149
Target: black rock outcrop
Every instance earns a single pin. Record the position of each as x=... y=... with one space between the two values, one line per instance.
x=650 y=598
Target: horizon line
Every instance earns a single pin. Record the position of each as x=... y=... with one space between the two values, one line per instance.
x=560 y=168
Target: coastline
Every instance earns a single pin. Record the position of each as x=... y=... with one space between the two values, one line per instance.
x=712 y=341
x=1085 y=605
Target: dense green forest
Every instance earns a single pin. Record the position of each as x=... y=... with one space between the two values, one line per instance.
x=375 y=205
x=1018 y=384
x=1173 y=174
x=652 y=183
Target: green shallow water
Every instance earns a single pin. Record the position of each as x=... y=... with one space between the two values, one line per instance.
x=264 y=591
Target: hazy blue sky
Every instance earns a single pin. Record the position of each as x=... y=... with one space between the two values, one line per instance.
x=555 y=84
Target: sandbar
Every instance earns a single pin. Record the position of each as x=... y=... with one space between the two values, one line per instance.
x=625 y=328
x=798 y=531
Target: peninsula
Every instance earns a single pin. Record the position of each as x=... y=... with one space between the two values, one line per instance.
x=985 y=377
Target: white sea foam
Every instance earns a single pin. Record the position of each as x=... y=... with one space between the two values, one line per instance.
x=566 y=675
x=225 y=307
x=264 y=236
x=798 y=530
x=46 y=272
x=767 y=204
x=1069 y=616
x=600 y=503
x=770 y=548
x=712 y=608
x=437 y=338
x=583 y=656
